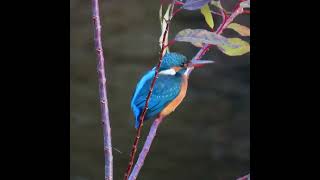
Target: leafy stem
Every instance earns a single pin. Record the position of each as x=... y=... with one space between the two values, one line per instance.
x=226 y=20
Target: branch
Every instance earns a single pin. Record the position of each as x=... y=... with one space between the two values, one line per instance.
x=246 y=11
x=102 y=92
x=136 y=140
x=247 y=177
x=219 y=14
x=146 y=148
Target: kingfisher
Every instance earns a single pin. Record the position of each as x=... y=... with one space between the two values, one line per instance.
x=169 y=90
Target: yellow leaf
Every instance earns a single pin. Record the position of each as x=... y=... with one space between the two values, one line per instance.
x=217 y=4
x=243 y=47
x=205 y=10
x=242 y=30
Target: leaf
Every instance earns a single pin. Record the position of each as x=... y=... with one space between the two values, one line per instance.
x=245 y=4
x=243 y=47
x=163 y=28
x=198 y=44
x=242 y=30
x=205 y=10
x=197 y=36
x=160 y=15
x=194 y=4
x=217 y=4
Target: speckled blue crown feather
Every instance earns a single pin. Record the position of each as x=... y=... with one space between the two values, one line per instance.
x=172 y=59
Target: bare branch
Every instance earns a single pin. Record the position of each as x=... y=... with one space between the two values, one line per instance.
x=246 y=177
x=102 y=92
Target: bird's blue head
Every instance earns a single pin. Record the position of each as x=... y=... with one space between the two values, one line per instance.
x=173 y=63
x=173 y=60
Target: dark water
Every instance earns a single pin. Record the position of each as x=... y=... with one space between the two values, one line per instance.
x=207 y=137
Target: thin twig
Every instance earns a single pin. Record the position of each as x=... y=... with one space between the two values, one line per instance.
x=142 y=116
x=146 y=148
x=219 y=14
x=102 y=92
x=246 y=11
x=246 y=177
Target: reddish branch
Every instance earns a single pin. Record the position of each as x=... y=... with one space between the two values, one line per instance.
x=142 y=116
x=176 y=11
x=246 y=12
x=247 y=177
x=102 y=92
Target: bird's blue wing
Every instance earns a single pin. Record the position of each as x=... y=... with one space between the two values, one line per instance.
x=165 y=90
x=149 y=75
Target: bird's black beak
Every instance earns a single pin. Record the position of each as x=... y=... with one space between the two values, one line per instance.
x=199 y=63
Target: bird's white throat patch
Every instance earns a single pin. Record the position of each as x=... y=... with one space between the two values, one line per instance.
x=171 y=72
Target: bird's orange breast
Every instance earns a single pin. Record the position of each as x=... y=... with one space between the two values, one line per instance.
x=175 y=103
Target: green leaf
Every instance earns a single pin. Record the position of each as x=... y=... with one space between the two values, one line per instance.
x=205 y=11
x=243 y=47
x=198 y=36
x=216 y=4
x=242 y=30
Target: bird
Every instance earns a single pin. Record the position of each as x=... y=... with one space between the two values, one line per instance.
x=169 y=90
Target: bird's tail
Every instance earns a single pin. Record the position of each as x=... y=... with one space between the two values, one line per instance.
x=136 y=120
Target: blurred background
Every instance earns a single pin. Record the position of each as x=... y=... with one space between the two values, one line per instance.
x=206 y=138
